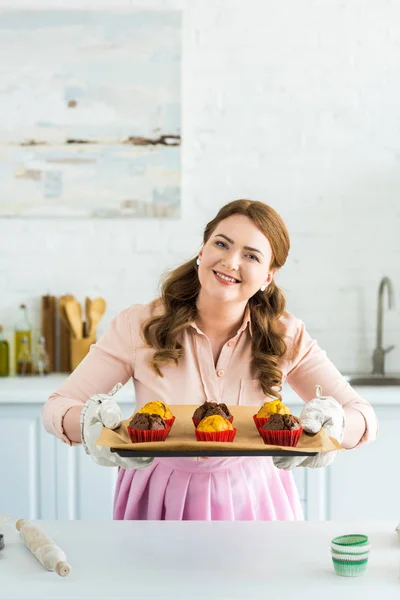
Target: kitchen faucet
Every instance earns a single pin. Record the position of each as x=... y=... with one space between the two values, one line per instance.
x=378 y=358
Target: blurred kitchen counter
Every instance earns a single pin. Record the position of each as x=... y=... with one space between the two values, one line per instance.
x=37 y=389
x=31 y=390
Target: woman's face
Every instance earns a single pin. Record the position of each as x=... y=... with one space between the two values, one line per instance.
x=235 y=261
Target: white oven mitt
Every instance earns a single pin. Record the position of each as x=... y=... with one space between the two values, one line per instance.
x=322 y=411
x=99 y=410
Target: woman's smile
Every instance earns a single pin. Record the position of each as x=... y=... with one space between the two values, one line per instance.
x=225 y=279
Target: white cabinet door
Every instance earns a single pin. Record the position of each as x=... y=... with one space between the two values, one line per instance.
x=85 y=490
x=21 y=473
x=364 y=483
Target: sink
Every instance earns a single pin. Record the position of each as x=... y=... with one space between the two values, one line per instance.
x=377 y=380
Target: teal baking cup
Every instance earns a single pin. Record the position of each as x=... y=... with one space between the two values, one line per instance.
x=350 y=540
x=350 y=557
x=350 y=550
x=346 y=568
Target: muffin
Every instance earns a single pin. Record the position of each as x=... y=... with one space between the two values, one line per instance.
x=146 y=427
x=159 y=408
x=215 y=429
x=281 y=430
x=270 y=408
x=147 y=421
x=209 y=409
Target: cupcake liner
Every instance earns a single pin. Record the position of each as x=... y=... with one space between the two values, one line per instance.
x=169 y=422
x=349 y=569
x=281 y=437
x=350 y=557
x=156 y=435
x=197 y=421
x=260 y=421
x=350 y=540
x=350 y=550
x=216 y=436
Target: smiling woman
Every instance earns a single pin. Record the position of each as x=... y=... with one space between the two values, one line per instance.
x=218 y=333
x=243 y=246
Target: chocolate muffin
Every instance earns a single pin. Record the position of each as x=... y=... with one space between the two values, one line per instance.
x=146 y=421
x=210 y=409
x=278 y=422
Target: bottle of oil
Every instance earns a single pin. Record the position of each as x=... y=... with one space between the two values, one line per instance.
x=24 y=358
x=4 y=355
x=22 y=329
x=41 y=364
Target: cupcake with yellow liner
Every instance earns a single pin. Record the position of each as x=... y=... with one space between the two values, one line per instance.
x=273 y=407
x=209 y=409
x=145 y=427
x=156 y=407
x=215 y=429
x=281 y=430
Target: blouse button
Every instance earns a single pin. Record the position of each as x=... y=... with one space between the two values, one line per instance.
x=231 y=343
x=220 y=372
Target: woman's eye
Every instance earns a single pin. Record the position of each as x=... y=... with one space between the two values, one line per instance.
x=253 y=257
x=223 y=245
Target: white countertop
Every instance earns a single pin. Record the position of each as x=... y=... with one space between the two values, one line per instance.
x=36 y=390
x=190 y=560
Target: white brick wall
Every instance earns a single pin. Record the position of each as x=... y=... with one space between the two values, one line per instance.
x=294 y=103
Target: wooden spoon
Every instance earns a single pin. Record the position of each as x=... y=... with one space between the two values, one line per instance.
x=61 y=309
x=74 y=314
x=97 y=310
x=88 y=308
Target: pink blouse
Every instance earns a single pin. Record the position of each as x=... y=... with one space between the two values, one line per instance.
x=121 y=353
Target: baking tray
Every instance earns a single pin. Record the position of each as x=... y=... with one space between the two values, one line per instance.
x=210 y=453
x=181 y=441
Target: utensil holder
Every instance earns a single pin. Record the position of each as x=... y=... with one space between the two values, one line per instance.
x=79 y=349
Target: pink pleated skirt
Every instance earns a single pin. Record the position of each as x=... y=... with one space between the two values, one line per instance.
x=216 y=489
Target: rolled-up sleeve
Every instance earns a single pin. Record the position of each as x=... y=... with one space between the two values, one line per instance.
x=109 y=361
x=309 y=366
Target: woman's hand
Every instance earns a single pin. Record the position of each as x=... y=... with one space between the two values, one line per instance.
x=324 y=412
x=102 y=410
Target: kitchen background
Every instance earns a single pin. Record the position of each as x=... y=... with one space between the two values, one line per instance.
x=293 y=103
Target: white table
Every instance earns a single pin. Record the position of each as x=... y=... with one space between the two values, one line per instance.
x=200 y=560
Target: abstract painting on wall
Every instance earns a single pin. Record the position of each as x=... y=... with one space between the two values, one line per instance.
x=90 y=114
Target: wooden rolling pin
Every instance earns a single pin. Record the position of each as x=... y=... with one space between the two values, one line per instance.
x=42 y=546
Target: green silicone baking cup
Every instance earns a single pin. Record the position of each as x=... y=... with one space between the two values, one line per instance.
x=350 y=569
x=353 y=539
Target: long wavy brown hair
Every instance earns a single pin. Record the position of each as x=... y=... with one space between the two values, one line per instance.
x=181 y=286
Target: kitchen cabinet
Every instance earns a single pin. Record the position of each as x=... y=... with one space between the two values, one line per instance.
x=42 y=478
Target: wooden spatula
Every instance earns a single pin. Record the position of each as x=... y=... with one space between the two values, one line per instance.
x=73 y=311
x=61 y=308
x=97 y=310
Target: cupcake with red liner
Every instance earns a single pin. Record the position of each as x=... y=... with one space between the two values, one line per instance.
x=281 y=430
x=210 y=409
x=270 y=408
x=215 y=429
x=145 y=427
x=159 y=408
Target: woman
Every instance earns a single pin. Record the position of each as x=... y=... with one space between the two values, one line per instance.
x=219 y=332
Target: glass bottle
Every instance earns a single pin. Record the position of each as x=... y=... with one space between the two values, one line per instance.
x=41 y=364
x=22 y=329
x=4 y=355
x=24 y=358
